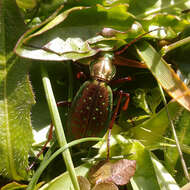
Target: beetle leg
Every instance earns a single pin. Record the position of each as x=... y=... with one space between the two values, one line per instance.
x=122 y=61
x=121 y=94
x=81 y=75
x=50 y=135
x=127 y=95
x=121 y=80
x=63 y=103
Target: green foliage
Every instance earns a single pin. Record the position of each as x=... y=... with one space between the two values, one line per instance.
x=26 y=4
x=16 y=98
x=70 y=31
x=14 y=186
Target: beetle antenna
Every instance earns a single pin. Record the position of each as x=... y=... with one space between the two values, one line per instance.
x=135 y=40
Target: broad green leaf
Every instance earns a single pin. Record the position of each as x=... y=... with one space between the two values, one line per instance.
x=145 y=176
x=138 y=8
x=173 y=24
x=165 y=180
x=53 y=42
x=150 y=173
x=164 y=74
x=145 y=8
x=153 y=129
x=16 y=97
x=62 y=37
x=47 y=7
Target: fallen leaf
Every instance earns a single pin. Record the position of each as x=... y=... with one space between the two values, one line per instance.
x=83 y=183
x=105 y=186
x=118 y=172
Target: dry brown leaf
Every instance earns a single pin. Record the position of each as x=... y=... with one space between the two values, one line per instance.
x=118 y=172
x=83 y=183
x=105 y=186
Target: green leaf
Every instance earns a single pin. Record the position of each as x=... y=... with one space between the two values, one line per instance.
x=145 y=176
x=74 y=32
x=26 y=4
x=173 y=24
x=14 y=186
x=164 y=74
x=148 y=100
x=144 y=8
x=63 y=37
x=153 y=129
x=140 y=100
x=154 y=99
x=182 y=129
x=165 y=180
x=63 y=181
x=150 y=173
x=16 y=98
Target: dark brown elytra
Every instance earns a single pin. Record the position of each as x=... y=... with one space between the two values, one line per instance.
x=91 y=110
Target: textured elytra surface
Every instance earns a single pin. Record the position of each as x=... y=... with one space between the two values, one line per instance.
x=91 y=110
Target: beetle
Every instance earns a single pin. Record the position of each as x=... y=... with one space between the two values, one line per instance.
x=91 y=110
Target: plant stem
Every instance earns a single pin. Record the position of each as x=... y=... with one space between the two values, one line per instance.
x=58 y=126
x=47 y=159
x=172 y=46
x=175 y=136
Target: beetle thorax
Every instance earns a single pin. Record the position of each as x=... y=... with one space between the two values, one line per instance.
x=103 y=68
